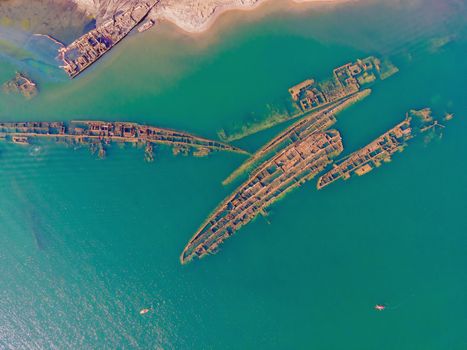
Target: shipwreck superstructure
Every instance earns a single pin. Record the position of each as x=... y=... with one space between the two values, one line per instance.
x=98 y=134
x=370 y=156
x=380 y=150
x=308 y=148
x=87 y=49
x=314 y=98
x=21 y=84
x=290 y=168
x=319 y=120
x=346 y=80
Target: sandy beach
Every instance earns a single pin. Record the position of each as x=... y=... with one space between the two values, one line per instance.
x=192 y=16
x=220 y=23
x=196 y=22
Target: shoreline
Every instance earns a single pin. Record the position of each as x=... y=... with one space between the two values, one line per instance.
x=220 y=11
x=198 y=16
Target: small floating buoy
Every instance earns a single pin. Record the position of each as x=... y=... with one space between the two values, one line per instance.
x=144 y=311
x=380 y=307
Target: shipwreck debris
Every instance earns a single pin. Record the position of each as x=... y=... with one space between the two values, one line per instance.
x=346 y=80
x=98 y=134
x=370 y=156
x=21 y=84
x=87 y=49
x=380 y=150
x=288 y=169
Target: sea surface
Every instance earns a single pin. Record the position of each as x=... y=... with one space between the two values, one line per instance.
x=86 y=243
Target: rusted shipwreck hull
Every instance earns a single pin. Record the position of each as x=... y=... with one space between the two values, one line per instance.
x=106 y=132
x=290 y=168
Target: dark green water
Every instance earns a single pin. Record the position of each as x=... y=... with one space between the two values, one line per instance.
x=85 y=244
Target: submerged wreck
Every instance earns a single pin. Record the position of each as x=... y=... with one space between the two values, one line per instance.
x=345 y=81
x=21 y=84
x=313 y=99
x=311 y=96
x=98 y=134
x=288 y=169
x=363 y=161
x=308 y=149
x=380 y=150
x=87 y=49
x=320 y=120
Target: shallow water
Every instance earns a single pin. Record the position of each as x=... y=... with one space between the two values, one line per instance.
x=85 y=244
x=59 y=18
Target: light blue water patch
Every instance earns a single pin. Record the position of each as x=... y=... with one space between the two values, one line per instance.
x=36 y=55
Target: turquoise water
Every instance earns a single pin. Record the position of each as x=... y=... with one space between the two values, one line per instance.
x=85 y=244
